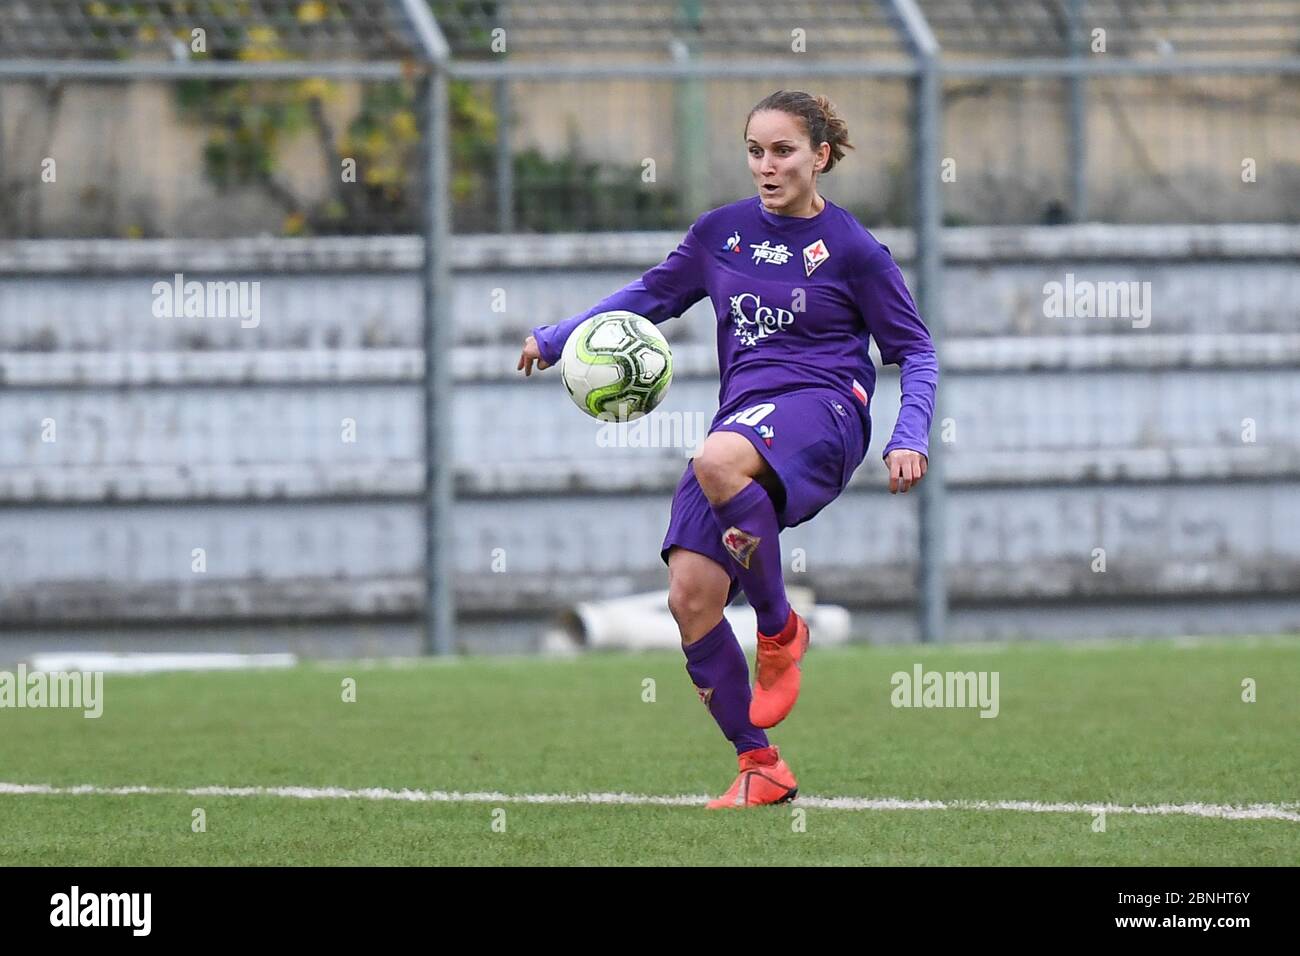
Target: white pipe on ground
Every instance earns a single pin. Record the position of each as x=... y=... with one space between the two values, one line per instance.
x=641 y=622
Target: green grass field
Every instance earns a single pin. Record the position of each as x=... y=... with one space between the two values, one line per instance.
x=1141 y=724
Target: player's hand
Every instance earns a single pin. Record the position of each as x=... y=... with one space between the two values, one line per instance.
x=906 y=469
x=530 y=355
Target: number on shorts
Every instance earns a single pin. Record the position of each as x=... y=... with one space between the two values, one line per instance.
x=750 y=416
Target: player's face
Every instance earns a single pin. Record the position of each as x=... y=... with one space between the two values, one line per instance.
x=782 y=161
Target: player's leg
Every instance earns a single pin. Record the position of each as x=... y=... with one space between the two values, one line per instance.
x=728 y=469
x=697 y=593
x=698 y=588
x=736 y=479
x=770 y=466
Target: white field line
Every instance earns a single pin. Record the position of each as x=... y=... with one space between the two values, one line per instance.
x=1254 y=811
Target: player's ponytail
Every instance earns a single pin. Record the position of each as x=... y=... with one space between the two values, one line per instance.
x=837 y=132
x=822 y=123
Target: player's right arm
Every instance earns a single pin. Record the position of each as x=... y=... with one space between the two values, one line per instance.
x=530 y=355
x=667 y=290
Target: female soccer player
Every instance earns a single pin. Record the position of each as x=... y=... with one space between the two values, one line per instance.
x=798 y=286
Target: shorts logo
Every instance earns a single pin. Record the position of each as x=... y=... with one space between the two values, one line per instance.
x=767 y=433
x=814 y=255
x=741 y=544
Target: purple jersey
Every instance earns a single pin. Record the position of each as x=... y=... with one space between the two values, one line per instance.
x=796 y=302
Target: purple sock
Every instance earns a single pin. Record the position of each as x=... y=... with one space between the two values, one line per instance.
x=751 y=533
x=718 y=667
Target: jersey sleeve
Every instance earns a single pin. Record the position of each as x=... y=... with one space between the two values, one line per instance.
x=667 y=290
x=903 y=339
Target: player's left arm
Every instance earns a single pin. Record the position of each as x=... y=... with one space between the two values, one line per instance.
x=903 y=339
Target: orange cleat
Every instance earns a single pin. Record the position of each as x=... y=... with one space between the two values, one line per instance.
x=759 y=783
x=778 y=673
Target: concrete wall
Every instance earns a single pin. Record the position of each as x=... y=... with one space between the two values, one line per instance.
x=1067 y=435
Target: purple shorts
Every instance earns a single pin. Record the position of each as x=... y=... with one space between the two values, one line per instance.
x=811 y=438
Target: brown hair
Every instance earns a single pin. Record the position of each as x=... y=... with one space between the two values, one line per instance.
x=820 y=120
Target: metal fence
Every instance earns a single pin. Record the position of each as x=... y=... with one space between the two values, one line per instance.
x=252 y=73
x=570 y=117
x=1051 y=112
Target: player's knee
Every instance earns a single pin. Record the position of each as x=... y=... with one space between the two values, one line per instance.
x=686 y=602
x=722 y=466
x=694 y=608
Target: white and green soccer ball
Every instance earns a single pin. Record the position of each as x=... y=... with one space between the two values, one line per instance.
x=616 y=366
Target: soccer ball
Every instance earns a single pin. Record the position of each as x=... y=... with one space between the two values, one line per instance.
x=616 y=366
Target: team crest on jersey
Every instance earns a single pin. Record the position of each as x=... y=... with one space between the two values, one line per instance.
x=741 y=544
x=767 y=433
x=814 y=255
x=777 y=255
x=733 y=243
